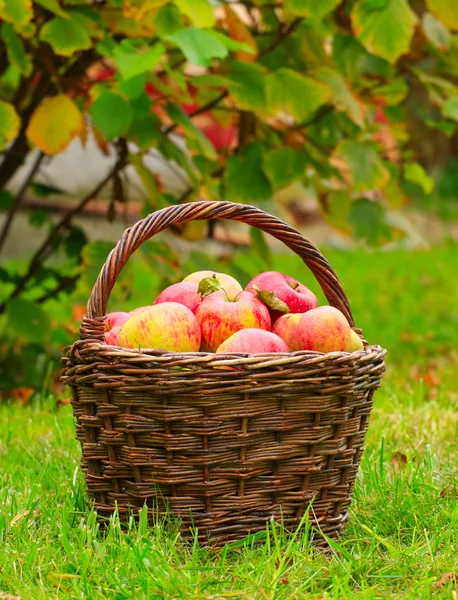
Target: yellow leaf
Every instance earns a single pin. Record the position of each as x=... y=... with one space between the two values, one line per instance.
x=446 y=11
x=54 y=124
x=9 y=123
x=239 y=31
x=17 y=12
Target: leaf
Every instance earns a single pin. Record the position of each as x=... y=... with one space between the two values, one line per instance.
x=246 y=85
x=311 y=8
x=132 y=61
x=53 y=6
x=145 y=132
x=360 y=164
x=208 y=285
x=298 y=95
x=67 y=36
x=446 y=11
x=386 y=32
x=450 y=108
x=54 y=124
x=199 y=46
x=368 y=221
x=260 y=245
x=38 y=217
x=17 y=12
x=240 y=32
x=9 y=123
x=415 y=173
x=133 y=87
x=436 y=32
x=111 y=114
x=200 y=12
x=168 y=20
x=178 y=116
x=15 y=49
x=392 y=93
x=147 y=179
x=342 y=95
x=335 y=208
x=27 y=321
x=283 y=166
x=244 y=179
x=6 y=200
x=271 y=300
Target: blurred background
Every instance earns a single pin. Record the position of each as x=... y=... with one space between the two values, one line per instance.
x=339 y=117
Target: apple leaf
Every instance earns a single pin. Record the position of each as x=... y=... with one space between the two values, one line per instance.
x=244 y=179
x=342 y=95
x=132 y=61
x=450 y=108
x=283 y=166
x=67 y=36
x=9 y=123
x=168 y=20
x=271 y=300
x=111 y=114
x=17 y=12
x=53 y=6
x=415 y=173
x=27 y=320
x=311 y=8
x=200 y=12
x=208 y=285
x=436 y=32
x=246 y=84
x=446 y=11
x=17 y=55
x=199 y=46
x=360 y=164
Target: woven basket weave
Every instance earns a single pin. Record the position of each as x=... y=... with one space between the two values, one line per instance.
x=225 y=450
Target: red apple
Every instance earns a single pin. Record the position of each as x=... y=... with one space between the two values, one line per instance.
x=223 y=313
x=323 y=329
x=184 y=293
x=113 y=323
x=354 y=343
x=167 y=326
x=227 y=282
x=253 y=341
x=297 y=297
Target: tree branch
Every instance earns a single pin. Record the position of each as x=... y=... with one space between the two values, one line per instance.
x=18 y=200
x=281 y=36
x=65 y=283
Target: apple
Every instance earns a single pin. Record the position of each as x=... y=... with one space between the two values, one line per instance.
x=227 y=282
x=140 y=309
x=253 y=341
x=184 y=293
x=223 y=313
x=355 y=343
x=297 y=297
x=167 y=326
x=113 y=323
x=323 y=329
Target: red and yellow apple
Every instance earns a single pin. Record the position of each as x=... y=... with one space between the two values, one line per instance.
x=253 y=341
x=297 y=297
x=184 y=293
x=227 y=282
x=167 y=326
x=113 y=323
x=140 y=309
x=223 y=313
x=323 y=329
x=355 y=343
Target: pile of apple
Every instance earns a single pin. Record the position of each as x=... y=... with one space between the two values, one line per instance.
x=210 y=312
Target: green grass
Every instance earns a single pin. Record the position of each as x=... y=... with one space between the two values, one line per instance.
x=402 y=536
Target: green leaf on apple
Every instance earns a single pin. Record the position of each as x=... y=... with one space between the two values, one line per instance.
x=271 y=300
x=208 y=285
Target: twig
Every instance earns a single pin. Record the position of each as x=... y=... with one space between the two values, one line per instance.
x=18 y=200
x=281 y=36
x=322 y=112
x=199 y=110
x=65 y=283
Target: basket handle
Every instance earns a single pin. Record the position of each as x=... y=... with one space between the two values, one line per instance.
x=156 y=222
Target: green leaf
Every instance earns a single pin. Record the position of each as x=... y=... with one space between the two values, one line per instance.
x=436 y=32
x=111 y=114
x=392 y=93
x=147 y=179
x=200 y=12
x=6 y=200
x=208 y=285
x=360 y=164
x=415 y=173
x=15 y=49
x=230 y=44
x=298 y=95
x=27 y=321
x=38 y=217
x=246 y=85
x=260 y=245
x=347 y=54
x=199 y=46
x=43 y=191
x=450 y=108
x=17 y=12
x=67 y=36
x=74 y=242
x=336 y=208
x=271 y=300
x=133 y=87
x=145 y=132
x=132 y=61
x=53 y=6
x=446 y=11
x=168 y=20
x=386 y=32
x=283 y=166
x=342 y=95
x=368 y=221
x=244 y=179
x=179 y=117
x=9 y=123
x=312 y=9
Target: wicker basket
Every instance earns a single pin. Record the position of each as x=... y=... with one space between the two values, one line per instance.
x=224 y=450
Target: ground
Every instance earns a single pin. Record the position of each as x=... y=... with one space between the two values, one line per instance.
x=402 y=537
